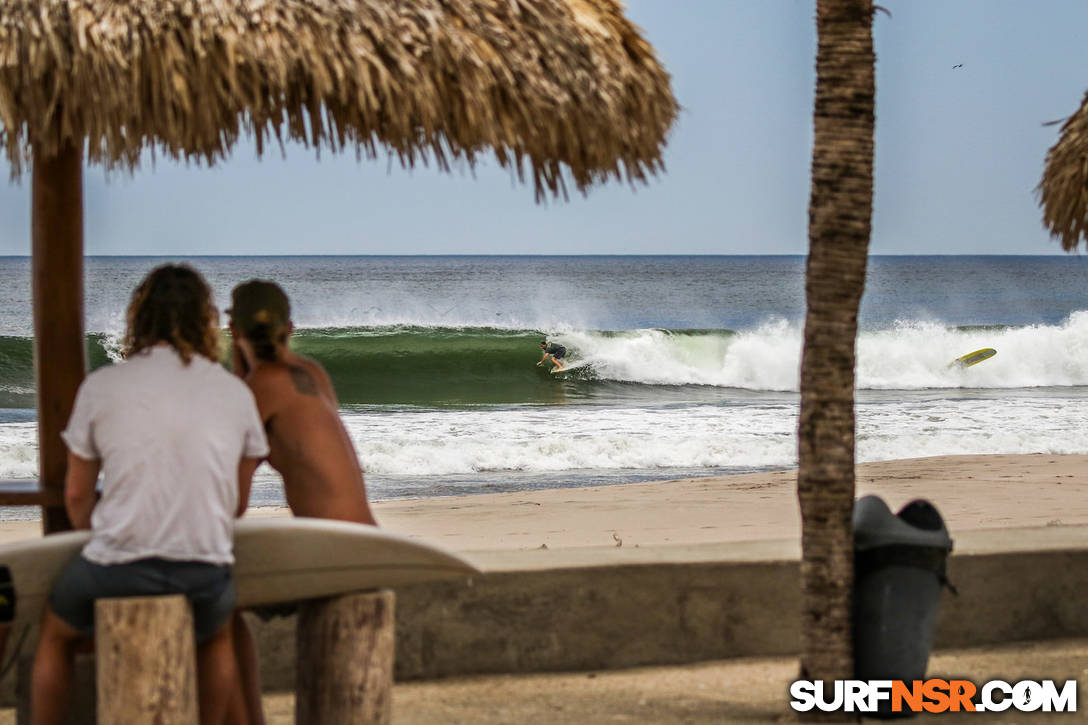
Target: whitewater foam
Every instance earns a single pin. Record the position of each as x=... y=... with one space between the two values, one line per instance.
x=569 y=443
x=911 y=355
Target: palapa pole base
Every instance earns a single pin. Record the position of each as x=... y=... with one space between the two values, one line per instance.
x=345 y=660
x=146 y=661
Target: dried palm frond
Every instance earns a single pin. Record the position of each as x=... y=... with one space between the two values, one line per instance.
x=546 y=84
x=1063 y=192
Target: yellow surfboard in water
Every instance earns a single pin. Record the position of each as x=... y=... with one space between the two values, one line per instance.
x=973 y=358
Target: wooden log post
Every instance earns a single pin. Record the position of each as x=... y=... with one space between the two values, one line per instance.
x=146 y=661
x=345 y=660
x=56 y=210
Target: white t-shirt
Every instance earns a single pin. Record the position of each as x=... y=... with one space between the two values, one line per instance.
x=170 y=437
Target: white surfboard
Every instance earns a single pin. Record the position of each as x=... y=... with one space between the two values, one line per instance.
x=277 y=560
x=284 y=560
x=569 y=368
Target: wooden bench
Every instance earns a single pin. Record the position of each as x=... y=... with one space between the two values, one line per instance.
x=345 y=646
x=144 y=666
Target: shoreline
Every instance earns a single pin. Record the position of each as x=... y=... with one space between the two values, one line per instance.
x=972 y=492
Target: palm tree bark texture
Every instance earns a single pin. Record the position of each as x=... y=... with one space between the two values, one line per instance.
x=840 y=213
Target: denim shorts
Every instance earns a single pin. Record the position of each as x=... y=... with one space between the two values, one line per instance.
x=208 y=587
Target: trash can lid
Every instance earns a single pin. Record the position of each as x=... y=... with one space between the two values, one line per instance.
x=917 y=524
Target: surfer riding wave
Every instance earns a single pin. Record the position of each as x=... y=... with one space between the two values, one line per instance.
x=555 y=351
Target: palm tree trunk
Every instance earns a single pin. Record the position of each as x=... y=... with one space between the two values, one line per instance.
x=840 y=211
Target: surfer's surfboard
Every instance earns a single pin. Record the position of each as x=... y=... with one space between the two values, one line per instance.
x=277 y=560
x=569 y=368
x=973 y=358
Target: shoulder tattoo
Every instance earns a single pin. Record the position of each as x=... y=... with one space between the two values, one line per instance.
x=303 y=380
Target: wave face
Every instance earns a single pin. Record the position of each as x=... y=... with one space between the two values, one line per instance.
x=428 y=365
x=17 y=365
x=412 y=365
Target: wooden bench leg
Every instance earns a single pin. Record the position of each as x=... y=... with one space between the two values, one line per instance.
x=146 y=661
x=345 y=660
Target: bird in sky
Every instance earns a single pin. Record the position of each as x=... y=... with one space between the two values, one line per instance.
x=960 y=65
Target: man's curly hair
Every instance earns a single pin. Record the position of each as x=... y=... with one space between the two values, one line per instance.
x=173 y=305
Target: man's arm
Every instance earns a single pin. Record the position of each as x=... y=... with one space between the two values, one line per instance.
x=79 y=490
x=246 y=467
x=368 y=515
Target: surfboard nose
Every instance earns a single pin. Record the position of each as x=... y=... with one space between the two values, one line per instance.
x=285 y=560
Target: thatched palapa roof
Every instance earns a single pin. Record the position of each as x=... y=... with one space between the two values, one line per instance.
x=545 y=83
x=1063 y=192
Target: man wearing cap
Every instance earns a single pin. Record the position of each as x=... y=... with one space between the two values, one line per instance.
x=309 y=445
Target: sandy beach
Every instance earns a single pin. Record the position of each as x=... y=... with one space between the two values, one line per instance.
x=974 y=493
x=971 y=492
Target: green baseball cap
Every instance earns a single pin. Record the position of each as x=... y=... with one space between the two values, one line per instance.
x=259 y=302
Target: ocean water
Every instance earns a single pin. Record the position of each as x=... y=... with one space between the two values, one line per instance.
x=689 y=365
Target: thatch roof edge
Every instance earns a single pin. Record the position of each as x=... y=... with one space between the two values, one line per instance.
x=552 y=86
x=1063 y=190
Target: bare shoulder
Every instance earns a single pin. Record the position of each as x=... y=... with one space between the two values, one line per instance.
x=268 y=385
x=307 y=376
x=309 y=364
x=268 y=379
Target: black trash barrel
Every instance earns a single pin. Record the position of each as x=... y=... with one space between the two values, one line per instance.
x=899 y=569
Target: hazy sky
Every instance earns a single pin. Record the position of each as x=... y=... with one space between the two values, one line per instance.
x=958 y=154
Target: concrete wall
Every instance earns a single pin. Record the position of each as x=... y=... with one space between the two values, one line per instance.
x=600 y=609
x=537 y=611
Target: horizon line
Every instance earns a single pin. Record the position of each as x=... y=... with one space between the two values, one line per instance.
x=1074 y=254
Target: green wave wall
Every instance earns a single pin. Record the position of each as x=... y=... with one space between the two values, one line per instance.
x=397 y=365
x=426 y=366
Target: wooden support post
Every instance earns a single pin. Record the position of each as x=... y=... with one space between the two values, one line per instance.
x=57 y=288
x=345 y=660
x=146 y=661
